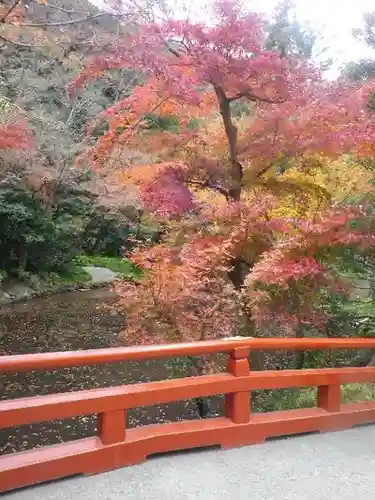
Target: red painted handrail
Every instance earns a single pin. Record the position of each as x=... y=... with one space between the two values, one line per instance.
x=117 y=446
x=53 y=360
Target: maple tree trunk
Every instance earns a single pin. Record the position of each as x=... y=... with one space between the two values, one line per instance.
x=203 y=407
x=22 y=255
x=299 y=356
x=238 y=273
x=240 y=267
x=236 y=172
x=198 y=368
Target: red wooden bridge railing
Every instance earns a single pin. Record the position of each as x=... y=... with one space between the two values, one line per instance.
x=116 y=446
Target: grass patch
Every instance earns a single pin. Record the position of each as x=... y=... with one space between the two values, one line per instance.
x=125 y=268
x=74 y=275
x=285 y=399
x=357 y=393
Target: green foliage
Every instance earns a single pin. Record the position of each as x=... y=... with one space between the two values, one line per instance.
x=359 y=71
x=43 y=232
x=286 y=399
x=363 y=69
x=287 y=36
x=193 y=124
x=168 y=123
x=283 y=399
x=3 y=275
x=107 y=233
x=31 y=239
x=357 y=393
x=241 y=108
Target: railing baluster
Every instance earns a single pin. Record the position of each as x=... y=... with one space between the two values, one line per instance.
x=112 y=426
x=237 y=405
x=329 y=397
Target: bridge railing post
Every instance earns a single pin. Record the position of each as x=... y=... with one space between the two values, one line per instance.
x=112 y=426
x=237 y=404
x=329 y=397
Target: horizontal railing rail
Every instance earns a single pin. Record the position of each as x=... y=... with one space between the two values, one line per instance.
x=53 y=360
x=116 y=445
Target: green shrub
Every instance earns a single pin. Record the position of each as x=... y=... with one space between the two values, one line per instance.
x=107 y=234
x=45 y=234
x=31 y=239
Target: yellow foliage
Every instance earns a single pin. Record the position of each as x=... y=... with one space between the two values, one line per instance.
x=309 y=186
x=347 y=177
x=209 y=197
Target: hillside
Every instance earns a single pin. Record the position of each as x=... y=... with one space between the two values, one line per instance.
x=52 y=211
x=33 y=85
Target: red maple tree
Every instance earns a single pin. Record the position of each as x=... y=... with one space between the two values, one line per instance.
x=226 y=264
x=14 y=136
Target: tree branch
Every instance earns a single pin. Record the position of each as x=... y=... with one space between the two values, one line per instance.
x=61 y=9
x=65 y=23
x=10 y=10
x=253 y=97
x=20 y=44
x=208 y=185
x=138 y=122
x=172 y=50
x=148 y=114
x=263 y=171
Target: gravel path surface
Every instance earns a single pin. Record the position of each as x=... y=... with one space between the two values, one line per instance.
x=100 y=274
x=335 y=466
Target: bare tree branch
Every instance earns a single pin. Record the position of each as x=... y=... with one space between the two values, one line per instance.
x=10 y=10
x=61 y=9
x=65 y=23
x=20 y=44
x=253 y=97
